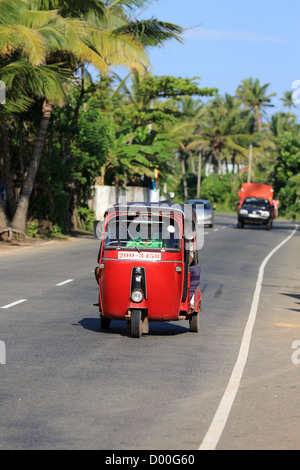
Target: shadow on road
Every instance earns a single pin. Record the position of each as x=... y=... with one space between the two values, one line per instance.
x=294 y=296
x=119 y=327
x=276 y=227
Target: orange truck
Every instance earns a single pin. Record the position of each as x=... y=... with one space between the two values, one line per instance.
x=256 y=205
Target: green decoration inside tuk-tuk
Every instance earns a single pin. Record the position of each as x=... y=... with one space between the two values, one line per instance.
x=138 y=242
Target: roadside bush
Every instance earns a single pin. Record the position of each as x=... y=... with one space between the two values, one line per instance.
x=87 y=217
x=220 y=190
x=32 y=229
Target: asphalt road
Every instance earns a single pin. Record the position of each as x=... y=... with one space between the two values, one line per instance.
x=67 y=385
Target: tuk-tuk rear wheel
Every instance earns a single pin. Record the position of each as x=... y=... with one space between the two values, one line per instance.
x=195 y=323
x=105 y=323
x=136 y=323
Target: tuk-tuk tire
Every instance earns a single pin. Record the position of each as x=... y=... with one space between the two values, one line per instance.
x=105 y=323
x=195 y=323
x=136 y=323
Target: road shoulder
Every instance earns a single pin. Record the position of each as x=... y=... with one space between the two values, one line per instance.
x=266 y=413
x=35 y=244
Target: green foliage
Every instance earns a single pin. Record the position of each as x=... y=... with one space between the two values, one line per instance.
x=107 y=133
x=288 y=159
x=87 y=216
x=252 y=95
x=32 y=229
x=168 y=86
x=43 y=44
x=151 y=32
x=286 y=173
x=221 y=190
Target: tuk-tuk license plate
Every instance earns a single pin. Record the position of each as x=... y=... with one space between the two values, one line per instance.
x=142 y=255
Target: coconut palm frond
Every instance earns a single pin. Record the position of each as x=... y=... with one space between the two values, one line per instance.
x=37 y=18
x=36 y=81
x=122 y=50
x=9 y=10
x=87 y=54
x=74 y=30
x=34 y=46
x=151 y=32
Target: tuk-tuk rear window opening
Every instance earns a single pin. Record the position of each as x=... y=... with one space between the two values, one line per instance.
x=153 y=233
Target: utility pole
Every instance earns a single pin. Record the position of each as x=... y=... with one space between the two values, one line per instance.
x=250 y=163
x=199 y=174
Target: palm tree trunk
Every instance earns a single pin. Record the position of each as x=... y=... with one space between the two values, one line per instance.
x=259 y=118
x=21 y=160
x=5 y=227
x=226 y=165
x=185 y=188
x=66 y=150
x=11 y=201
x=199 y=174
x=192 y=163
x=233 y=163
x=20 y=218
x=250 y=164
x=219 y=161
x=4 y=222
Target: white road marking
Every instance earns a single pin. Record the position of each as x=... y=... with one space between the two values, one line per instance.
x=64 y=282
x=218 y=424
x=15 y=303
x=216 y=229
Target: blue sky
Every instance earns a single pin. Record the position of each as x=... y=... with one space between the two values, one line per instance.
x=229 y=40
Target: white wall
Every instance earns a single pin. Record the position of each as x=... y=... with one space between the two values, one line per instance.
x=105 y=196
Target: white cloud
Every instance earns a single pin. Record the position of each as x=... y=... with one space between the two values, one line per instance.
x=204 y=34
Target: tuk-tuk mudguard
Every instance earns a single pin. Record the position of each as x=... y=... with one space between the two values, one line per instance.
x=164 y=288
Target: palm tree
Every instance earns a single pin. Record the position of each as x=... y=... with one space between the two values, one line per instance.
x=35 y=39
x=24 y=47
x=223 y=132
x=182 y=134
x=158 y=103
x=283 y=122
x=287 y=100
x=195 y=112
x=253 y=96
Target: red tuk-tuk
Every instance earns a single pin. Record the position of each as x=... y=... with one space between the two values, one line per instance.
x=148 y=266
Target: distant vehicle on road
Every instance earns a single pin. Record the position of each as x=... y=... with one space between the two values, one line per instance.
x=256 y=205
x=205 y=216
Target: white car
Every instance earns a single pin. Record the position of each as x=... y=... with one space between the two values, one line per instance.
x=204 y=211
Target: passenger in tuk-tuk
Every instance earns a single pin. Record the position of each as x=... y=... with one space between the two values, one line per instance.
x=195 y=273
